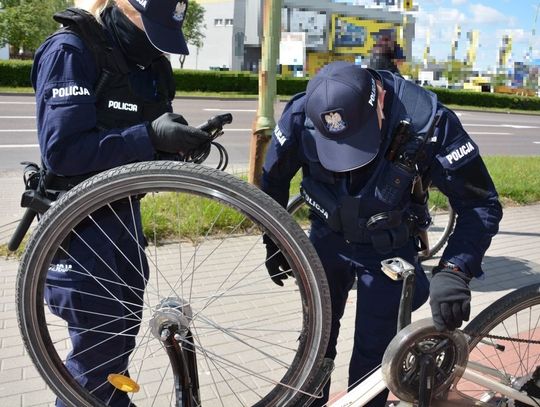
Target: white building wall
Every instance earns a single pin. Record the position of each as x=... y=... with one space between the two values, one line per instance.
x=218 y=43
x=253 y=19
x=219 y=47
x=4 y=53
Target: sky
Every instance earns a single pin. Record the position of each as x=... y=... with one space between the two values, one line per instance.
x=492 y=18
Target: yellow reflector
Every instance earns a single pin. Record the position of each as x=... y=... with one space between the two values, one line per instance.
x=123 y=383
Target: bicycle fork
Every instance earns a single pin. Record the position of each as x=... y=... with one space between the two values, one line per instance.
x=181 y=352
x=170 y=324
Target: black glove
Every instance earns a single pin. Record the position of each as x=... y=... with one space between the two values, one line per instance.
x=171 y=133
x=277 y=266
x=450 y=297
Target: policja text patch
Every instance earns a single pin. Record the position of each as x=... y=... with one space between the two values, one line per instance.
x=458 y=154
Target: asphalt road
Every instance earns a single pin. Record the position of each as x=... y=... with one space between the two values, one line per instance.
x=495 y=133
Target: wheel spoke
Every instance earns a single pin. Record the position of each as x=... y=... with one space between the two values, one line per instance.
x=97 y=299
x=512 y=362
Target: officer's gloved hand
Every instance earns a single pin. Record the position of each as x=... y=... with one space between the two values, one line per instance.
x=276 y=264
x=450 y=297
x=171 y=133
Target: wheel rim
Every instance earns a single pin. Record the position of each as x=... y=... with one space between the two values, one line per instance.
x=442 y=221
x=515 y=361
x=256 y=343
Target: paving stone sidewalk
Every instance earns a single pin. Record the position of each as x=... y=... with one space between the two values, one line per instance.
x=512 y=261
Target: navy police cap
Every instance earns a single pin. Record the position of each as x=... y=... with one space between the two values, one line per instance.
x=341 y=101
x=163 y=20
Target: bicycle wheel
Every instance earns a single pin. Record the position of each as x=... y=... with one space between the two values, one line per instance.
x=251 y=342
x=443 y=220
x=504 y=345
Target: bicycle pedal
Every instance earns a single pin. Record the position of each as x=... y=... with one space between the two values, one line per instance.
x=396 y=268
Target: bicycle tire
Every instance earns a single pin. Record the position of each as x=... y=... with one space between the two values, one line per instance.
x=515 y=315
x=448 y=223
x=290 y=369
x=297 y=204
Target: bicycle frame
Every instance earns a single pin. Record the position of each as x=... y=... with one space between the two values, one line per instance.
x=374 y=384
x=477 y=373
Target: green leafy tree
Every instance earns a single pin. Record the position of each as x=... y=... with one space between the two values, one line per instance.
x=456 y=71
x=193 y=27
x=410 y=69
x=24 y=24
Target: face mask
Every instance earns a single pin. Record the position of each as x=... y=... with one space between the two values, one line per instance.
x=133 y=41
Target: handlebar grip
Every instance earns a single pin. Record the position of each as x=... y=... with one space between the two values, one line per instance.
x=216 y=122
x=21 y=229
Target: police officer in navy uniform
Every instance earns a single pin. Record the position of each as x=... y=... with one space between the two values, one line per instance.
x=341 y=133
x=103 y=93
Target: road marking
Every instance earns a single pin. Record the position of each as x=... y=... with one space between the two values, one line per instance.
x=19 y=145
x=17 y=117
x=489 y=132
x=512 y=126
x=230 y=110
x=518 y=126
x=536 y=142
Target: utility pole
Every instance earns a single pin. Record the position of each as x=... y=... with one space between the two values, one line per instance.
x=264 y=122
x=533 y=33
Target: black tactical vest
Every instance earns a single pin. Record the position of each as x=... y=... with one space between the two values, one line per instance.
x=118 y=106
x=374 y=213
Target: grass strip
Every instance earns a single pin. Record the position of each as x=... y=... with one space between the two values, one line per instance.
x=516 y=180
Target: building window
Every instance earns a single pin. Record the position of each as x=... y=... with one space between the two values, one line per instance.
x=218 y=22
x=229 y=22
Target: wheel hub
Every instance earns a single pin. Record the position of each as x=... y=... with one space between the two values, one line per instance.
x=171 y=315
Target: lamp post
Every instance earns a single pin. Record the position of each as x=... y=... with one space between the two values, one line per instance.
x=264 y=122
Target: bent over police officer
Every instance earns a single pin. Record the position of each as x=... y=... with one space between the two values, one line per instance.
x=104 y=90
x=363 y=138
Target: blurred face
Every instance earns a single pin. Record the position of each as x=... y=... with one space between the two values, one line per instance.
x=130 y=13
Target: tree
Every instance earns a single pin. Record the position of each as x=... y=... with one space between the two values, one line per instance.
x=456 y=71
x=193 y=27
x=24 y=24
x=410 y=69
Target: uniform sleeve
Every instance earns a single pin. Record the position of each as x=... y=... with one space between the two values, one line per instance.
x=460 y=173
x=64 y=76
x=282 y=161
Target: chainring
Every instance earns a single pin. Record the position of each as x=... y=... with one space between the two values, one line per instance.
x=401 y=367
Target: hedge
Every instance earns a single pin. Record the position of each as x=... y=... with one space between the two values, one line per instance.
x=227 y=81
x=15 y=73
x=499 y=100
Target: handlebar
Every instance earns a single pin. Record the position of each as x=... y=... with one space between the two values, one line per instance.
x=36 y=203
x=216 y=123
x=21 y=229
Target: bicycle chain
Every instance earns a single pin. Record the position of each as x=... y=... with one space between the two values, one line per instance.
x=505 y=338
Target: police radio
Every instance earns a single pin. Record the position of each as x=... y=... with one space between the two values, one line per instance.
x=401 y=136
x=406 y=146
x=404 y=153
